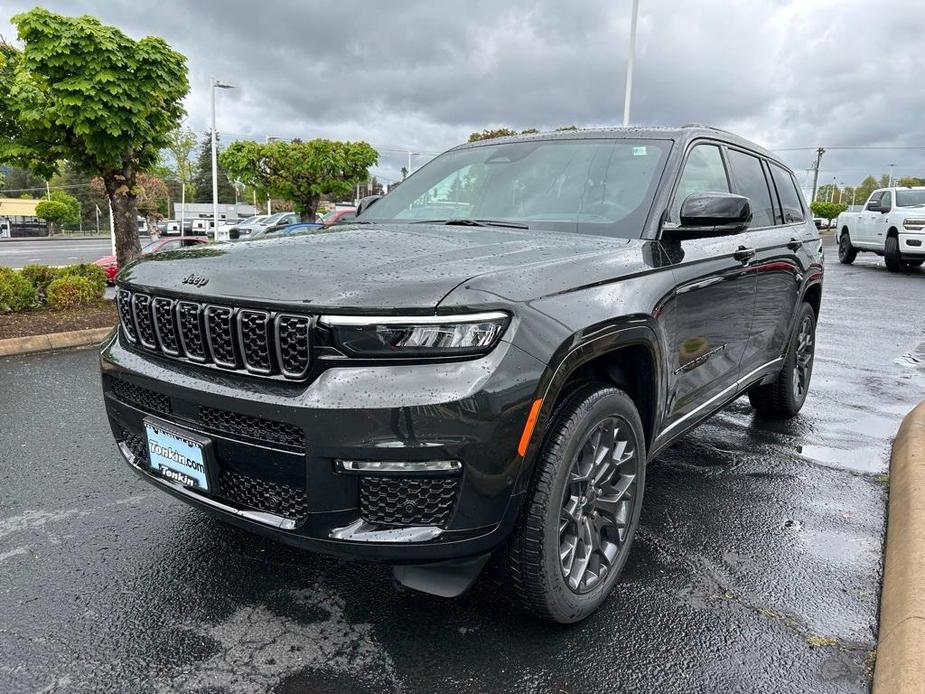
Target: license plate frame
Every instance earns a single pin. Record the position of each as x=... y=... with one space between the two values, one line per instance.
x=176 y=455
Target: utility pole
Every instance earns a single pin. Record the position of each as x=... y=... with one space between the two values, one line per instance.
x=819 y=152
x=628 y=89
x=891 y=176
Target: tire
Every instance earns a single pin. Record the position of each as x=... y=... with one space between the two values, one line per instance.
x=846 y=252
x=600 y=530
x=894 y=262
x=785 y=396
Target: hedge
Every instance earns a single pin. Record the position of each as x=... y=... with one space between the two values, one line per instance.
x=70 y=291
x=16 y=292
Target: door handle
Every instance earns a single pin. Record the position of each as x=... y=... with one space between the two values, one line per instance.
x=743 y=254
x=795 y=244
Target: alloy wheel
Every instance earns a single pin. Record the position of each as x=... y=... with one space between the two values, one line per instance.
x=804 y=357
x=597 y=504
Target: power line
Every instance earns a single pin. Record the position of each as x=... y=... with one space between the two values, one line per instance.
x=807 y=149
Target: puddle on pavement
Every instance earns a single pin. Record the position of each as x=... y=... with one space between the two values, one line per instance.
x=914 y=359
x=866 y=460
x=839 y=547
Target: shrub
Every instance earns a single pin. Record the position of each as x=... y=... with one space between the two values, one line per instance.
x=70 y=291
x=16 y=291
x=95 y=274
x=40 y=276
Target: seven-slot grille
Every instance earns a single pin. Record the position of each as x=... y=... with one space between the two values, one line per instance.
x=259 y=342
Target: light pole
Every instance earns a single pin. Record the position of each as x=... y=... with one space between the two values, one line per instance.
x=629 y=66
x=411 y=154
x=891 y=176
x=267 y=140
x=837 y=188
x=220 y=85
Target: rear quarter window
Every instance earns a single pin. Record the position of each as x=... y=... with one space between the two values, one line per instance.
x=790 y=198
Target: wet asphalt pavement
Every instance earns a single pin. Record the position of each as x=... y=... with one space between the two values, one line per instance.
x=756 y=568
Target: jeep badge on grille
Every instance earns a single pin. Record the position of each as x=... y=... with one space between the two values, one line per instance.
x=196 y=280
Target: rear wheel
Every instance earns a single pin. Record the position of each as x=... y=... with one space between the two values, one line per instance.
x=846 y=252
x=574 y=536
x=786 y=395
x=891 y=256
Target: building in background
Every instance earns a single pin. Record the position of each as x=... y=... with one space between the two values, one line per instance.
x=17 y=218
x=229 y=212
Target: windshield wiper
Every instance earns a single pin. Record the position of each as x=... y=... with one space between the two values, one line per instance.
x=464 y=222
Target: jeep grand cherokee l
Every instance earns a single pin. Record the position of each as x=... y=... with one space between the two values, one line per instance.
x=483 y=363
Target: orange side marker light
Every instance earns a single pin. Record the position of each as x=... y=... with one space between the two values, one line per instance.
x=528 y=427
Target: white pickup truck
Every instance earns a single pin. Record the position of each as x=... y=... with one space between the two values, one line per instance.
x=892 y=224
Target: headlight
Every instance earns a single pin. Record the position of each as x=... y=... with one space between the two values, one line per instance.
x=408 y=336
x=914 y=224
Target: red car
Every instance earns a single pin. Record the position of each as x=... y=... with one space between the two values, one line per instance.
x=341 y=214
x=111 y=267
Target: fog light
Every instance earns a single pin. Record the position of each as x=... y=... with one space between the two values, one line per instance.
x=402 y=467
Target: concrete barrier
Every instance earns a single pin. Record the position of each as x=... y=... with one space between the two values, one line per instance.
x=43 y=343
x=900 y=667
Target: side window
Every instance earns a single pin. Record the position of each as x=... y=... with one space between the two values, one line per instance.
x=886 y=201
x=789 y=195
x=169 y=246
x=874 y=201
x=704 y=172
x=750 y=182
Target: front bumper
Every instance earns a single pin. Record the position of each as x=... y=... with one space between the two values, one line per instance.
x=276 y=444
x=912 y=243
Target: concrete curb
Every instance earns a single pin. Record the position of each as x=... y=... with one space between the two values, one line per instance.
x=900 y=667
x=43 y=343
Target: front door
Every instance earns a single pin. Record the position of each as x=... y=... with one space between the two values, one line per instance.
x=708 y=318
x=869 y=220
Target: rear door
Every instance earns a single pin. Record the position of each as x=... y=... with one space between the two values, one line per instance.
x=708 y=318
x=781 y=225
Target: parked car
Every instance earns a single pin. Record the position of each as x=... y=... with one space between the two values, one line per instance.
x=891 y=224
x=289 y=229
x=110 y=264
x=821 y=223
x=338 y=215
x=429 y=391
x=246 y=227
x=274 y=223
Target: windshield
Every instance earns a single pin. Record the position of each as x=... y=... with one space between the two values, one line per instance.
x=249 y=220
x=591 y=186
x=272 y=219
x=910 y=197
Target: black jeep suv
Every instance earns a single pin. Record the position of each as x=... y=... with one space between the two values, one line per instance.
x=483 y=363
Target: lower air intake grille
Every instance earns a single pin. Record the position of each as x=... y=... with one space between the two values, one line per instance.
x=138 y=446
x=252 y=427
x=408 y=500
x=270 y=497
x=142 y=398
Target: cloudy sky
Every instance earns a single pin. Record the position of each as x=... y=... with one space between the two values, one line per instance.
x=421 y=75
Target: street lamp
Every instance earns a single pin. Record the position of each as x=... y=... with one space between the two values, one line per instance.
x=629 y=66
x=267 y=140
x=891 y=176
x=219 y=85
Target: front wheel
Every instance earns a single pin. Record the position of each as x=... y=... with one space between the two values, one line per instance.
x=846 y=252
x=574 y=536
x=891 y=256
x=785 y=396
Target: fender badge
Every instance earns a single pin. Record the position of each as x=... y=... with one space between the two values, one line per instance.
x=196 y=280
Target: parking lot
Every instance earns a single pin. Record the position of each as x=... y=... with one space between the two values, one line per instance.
x=756 y=568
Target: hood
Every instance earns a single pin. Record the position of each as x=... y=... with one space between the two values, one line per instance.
x=105 y=260
x=357 y=267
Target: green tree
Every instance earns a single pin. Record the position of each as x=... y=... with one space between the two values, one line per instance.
x=507 y=132
x=300 y=172
x=911 y=181
x=827 y=210
x=152 y=198
x=59 y=208
x=863 y=191
x=180 y=145
x=81 y=91
x=19 y=180
x=81 y=187
x=202 y=175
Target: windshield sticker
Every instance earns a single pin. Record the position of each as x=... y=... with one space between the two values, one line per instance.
x=639 y=151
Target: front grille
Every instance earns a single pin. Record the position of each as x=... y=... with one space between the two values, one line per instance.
x=264 y=343
x=408 y=500
x=262 y=495
x=138 y=445
x=142 y=398
x=252 y=427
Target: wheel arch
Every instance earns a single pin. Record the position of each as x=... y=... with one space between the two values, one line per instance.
x=892 y=231
x=627 y=355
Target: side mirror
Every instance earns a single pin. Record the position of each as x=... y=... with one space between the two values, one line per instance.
x=366 y=203
x=874 y=207
x=712 y=214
